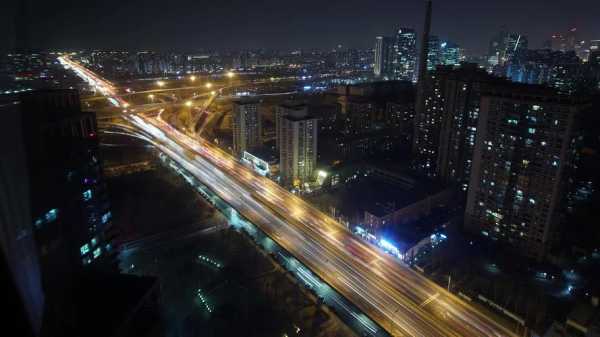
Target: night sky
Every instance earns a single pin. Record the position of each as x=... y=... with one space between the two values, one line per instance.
x=237 y=24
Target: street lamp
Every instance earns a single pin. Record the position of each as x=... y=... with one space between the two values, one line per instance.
x=160 y=83
x=208 y=85
x=151 y=97
x=230 y=74
x=192 y=78
x=188 y=104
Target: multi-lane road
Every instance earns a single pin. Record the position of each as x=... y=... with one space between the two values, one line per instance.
x=402 y=301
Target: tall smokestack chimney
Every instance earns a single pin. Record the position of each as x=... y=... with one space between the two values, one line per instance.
x=420 y=101
x=425 y=43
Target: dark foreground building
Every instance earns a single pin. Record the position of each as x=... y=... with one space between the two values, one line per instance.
x=523 y=157
x=56 y=221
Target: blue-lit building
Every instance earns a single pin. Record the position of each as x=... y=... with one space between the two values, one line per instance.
x=443 y=52
x=561 y=70
x=450 y=53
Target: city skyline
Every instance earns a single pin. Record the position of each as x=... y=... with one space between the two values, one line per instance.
x=416 y=168
x=236 y=25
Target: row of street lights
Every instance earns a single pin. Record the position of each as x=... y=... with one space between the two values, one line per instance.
x=208 y=85
x=229 y=74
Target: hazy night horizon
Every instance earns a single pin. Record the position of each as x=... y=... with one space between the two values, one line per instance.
x=191 y=25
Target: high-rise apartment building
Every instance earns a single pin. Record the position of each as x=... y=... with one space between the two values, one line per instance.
x=446 y=129
x=247 y=126
x=423 y=138
x=57 y=199
x=68 y=196
x=283 y=110
x=523 y=150
x=460 y=90
x=384 y=57
x=405 y=55
x=297 y=138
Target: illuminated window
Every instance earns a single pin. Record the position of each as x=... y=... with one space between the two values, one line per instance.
x=106 y=217
x=94 y=242
x=84 y=249
x=97 y=252
x=51 y=215
x=87 y=195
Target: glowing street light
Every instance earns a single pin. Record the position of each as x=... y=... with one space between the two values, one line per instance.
x=208 y=85
x=126 y=105
x=213 y=92
x=192 y=78
x=189 y=104
x=160 y=83
x=230 y=74
x=151 y=97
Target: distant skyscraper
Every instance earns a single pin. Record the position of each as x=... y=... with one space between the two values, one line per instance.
x=523 y=151
x=564 y=42
x=405 y=55
x=514 y=44
x=384 y=57
x=504 y=46
x=247 y=126
x=297 y=145
x=434 y=54
x=558 y=69
x=595 y=58
x=450 y=53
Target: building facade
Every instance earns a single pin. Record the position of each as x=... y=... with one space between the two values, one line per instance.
x=247 y=126
x=282 y=110
x=405 y=55
x=461 y=91
x=384 y=56
x=297 y=146
x=523 y=150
